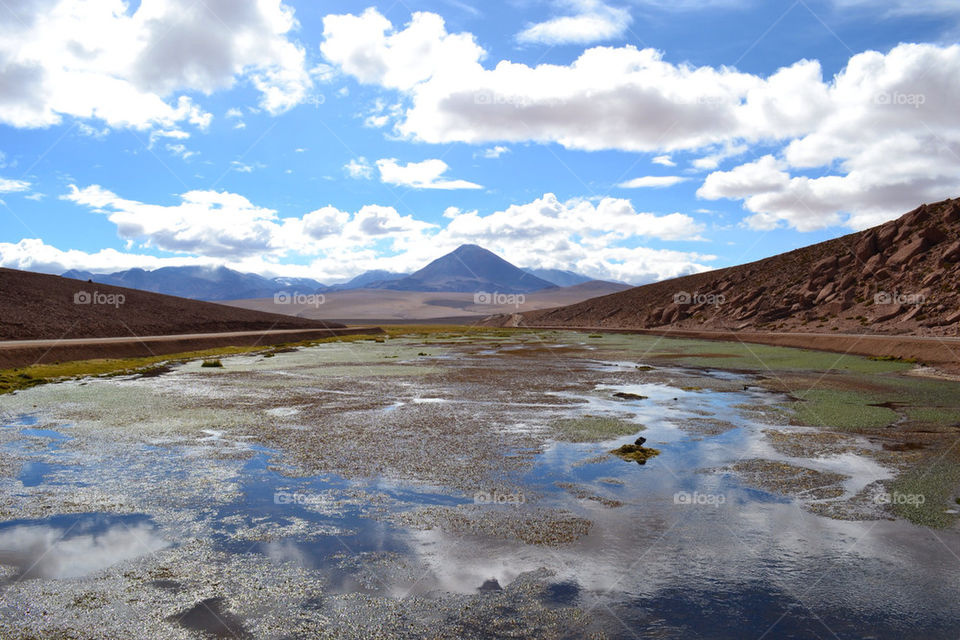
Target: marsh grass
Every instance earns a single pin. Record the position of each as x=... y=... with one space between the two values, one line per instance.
x=593 y=428
x=26 y=377
x=938 y=483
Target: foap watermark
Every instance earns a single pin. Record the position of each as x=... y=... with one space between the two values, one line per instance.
x=496 y=497
x=495 y=298
x=698 y=499
x=712 y=299
x=297 y=498
x=896 y=98
x=910 y=499
x=98 y=298
x=492 y=98
x=305 y=299
x=897 y=297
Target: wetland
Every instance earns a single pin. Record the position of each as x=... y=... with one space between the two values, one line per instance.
x=447 y=483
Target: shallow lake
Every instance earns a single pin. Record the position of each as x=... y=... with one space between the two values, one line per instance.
x=450 y=489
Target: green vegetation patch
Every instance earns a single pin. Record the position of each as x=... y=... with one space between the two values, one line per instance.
x=746 y=356
x=938 y=483
x=635 y=453
x=593 y=428
x=934 y=416
x=844 y=410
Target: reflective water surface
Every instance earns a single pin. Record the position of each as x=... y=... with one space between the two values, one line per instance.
x=678 y=547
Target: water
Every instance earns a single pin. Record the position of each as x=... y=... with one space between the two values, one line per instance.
x=679 y=547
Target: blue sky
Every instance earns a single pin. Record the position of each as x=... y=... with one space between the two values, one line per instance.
x=632 y=140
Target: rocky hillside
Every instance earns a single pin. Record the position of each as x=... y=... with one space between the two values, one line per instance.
x=901 y=277
x=40 y=306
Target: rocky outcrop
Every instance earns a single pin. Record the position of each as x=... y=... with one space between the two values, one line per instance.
x=900 y=277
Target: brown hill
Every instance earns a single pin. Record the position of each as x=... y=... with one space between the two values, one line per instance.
x=901 y=277
x=39 y=306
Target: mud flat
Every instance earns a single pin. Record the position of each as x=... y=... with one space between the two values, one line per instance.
x=459 y=485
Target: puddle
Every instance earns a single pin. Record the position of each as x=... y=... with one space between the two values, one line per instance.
x=33 y=474
x=75 y=546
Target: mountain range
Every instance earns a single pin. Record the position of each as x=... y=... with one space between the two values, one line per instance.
x=469 y=268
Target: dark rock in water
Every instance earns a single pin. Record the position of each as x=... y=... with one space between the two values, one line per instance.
x=628 y=396
x=639 y=441
x=490 y=585
x=636 y=453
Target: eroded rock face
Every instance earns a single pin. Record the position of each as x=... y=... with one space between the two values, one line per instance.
x=902 y=276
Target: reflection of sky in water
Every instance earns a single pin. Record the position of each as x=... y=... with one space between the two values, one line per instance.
x=684 y=570
x=75 y=546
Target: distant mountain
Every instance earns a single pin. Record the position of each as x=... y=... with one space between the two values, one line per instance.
x=201 y=283
x=368 y=278
x=469 y=268
x=559 y=277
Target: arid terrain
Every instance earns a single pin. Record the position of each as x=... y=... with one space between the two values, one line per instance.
x=898 y=278
x=384 y=305
x=35 y=306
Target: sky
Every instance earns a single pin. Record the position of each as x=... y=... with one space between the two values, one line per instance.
x=633 y=140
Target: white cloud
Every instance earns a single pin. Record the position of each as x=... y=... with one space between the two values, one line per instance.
x=712 y=161
x=664 y=161
x=652 y=181
x=360 y=46
x=604 y=239
x=181 y=150
x=8 y=185
x=592 y=238
x=884 y=130
x=891 y=141
x=593 y=21
x=495 y=152
x=420 y=175
x=359 y=168
x=242 y=167
x=101 y=60
x=209 y=223
x=454 y=98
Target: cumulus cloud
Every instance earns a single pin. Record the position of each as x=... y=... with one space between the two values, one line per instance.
x=420 y=175
x=359 y=168
x=652 y=181
x=665 y=161
x=647 y=104
x=857 y=149
x=599 y=239
x=361 y=47
x=593 y=21
x=891 y=141
x=8 y=185
x=209 y=223
x=495 y=152
x=102 y=60
x=603 y=238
